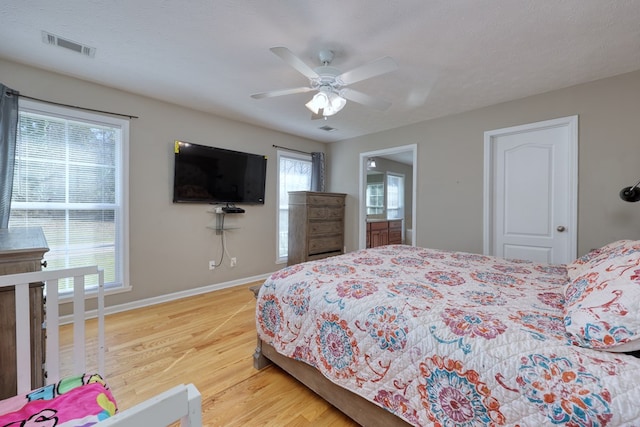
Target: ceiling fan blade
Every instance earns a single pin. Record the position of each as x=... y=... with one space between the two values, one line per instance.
x=297 y=63
x=364 y=99
x=366 y=71
x=273 y=93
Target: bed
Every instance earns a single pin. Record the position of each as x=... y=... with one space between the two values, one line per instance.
x=81 y=398
x=401 y=335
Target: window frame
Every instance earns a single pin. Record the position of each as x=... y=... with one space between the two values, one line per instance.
x=401 y=195
x=122 y=283
x=289 y=155
x=379 y=207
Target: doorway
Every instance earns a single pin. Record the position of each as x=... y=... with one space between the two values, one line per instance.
x=530 y=191
x=407 y=155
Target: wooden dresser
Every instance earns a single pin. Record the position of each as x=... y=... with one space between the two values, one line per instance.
x=384 y=232
x=316 y=225
x=21 y=251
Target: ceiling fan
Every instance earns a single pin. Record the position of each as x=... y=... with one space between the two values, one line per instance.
x=331 y=84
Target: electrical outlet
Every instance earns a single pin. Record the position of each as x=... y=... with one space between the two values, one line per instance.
x=212 y=265
x=234 y=261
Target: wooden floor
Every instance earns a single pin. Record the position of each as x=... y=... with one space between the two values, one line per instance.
x=207 y=340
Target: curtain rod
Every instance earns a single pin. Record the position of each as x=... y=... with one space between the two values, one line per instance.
x=291 y=149
x=16 y=93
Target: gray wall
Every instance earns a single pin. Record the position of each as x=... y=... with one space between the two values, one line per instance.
x=450 y=164
x=170 y=244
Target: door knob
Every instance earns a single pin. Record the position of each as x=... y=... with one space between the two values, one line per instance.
x=561 y=228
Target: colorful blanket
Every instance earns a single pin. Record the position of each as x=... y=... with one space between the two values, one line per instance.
x=82 y=400
x=447 y=339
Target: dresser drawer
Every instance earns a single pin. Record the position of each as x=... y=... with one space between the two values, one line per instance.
x=317 y=212
x=379 y=225
x=318 y=245
x=23 y=266
x=323 y=255
x=325 y=227
x=395 y=237
x=323 y=200
x=395 y=225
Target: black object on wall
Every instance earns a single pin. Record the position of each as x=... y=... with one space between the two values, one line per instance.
x=631 y=194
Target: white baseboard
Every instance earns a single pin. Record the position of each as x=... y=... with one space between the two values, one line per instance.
x=166 y=298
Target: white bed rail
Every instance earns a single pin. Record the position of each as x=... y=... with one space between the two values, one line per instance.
x=23 y=340
x=182 y=402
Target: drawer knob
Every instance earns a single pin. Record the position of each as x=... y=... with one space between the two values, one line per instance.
x=44 y=263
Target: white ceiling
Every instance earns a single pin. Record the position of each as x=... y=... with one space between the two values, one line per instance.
x=211 y=55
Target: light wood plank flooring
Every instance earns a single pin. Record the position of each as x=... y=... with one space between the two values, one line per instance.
x=207 y=340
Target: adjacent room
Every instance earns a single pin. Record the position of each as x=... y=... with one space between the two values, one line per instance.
x=294 y=213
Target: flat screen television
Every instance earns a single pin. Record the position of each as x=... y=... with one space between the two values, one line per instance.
x=204 y=174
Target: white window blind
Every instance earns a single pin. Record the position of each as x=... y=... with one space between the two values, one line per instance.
x=294 y=174
x=69 y=179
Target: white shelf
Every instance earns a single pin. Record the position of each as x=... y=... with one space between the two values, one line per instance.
x=217 y=228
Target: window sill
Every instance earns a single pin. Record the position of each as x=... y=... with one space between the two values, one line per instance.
x=93 y=293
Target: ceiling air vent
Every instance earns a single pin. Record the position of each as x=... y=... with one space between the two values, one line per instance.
x=327 y=128
x=54 y=40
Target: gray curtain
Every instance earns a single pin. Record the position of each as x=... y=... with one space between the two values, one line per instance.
x=317 y=171
x=8 y=128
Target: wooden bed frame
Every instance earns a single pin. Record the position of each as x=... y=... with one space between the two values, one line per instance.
x=355 y=407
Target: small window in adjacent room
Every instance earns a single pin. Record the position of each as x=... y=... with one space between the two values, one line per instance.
x=395 y=196
x=294 y=174
x=375 y=198
x=70 y=178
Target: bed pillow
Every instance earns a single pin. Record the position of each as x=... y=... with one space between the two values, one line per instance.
x=594 y=257
x=601 y=304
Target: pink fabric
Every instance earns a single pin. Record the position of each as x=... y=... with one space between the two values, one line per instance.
x=75 y=401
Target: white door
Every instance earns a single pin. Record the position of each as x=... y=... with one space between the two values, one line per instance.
x=531 y=191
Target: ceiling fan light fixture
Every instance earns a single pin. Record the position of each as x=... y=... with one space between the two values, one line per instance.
x=329 y=102
x=336 y=103
x=320 y=101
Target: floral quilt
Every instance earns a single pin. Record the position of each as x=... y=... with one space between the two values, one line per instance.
x=447 y=339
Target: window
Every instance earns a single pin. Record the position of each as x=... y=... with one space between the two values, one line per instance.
x=375 y=198
x=395 y=196
x=294 y=174
x=70 y=179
